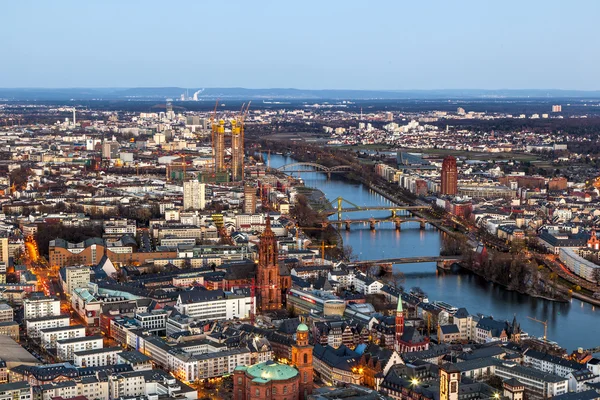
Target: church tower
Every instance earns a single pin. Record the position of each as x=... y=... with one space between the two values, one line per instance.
x=399 y=325
x=267 y=272
x=449 y=381
x=302 y=359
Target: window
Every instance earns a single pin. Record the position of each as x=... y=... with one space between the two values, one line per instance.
x=305 y=376
x=274 y=391
x=284 y=389
x=239 y=380
x=257 y=392
x=305 y=358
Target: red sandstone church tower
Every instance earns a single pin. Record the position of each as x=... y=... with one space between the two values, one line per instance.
x=302 y=359
x=449 y=176
x=267 y=272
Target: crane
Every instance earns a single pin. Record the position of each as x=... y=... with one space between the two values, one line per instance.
x=323 y=246
x=545 y=323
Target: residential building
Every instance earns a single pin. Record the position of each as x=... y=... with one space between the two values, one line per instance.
x=66 y=348
x=50 y=336
x=6 y=313
x=194 y=195
x=97 y=357
x=15 y=391
x=34 y=326
x=38 y=306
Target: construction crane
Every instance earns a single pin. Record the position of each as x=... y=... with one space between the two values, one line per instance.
x=323 y=246
x=545 y=323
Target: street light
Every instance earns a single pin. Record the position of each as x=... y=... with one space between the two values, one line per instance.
x=414 y=382
x=496 y=395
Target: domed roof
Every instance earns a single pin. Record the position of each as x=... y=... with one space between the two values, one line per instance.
x=271 y=370
x=302 y=328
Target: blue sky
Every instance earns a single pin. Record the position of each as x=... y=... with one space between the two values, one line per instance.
x=326 y=44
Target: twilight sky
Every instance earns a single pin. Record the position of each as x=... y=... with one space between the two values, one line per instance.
x=325 y=44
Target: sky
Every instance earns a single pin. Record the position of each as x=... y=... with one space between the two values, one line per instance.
x=325 y=44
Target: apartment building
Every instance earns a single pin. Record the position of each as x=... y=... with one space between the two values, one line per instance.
x=6 y=313
x=50 y=336
x=15 y=391
x=33 y=326
x=189 y=367
x=97 y=357
x=38 y=306
x=66 y=348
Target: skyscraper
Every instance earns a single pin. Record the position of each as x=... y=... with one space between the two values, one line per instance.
x=194 y=194
x=267 y=272
x=449 y=176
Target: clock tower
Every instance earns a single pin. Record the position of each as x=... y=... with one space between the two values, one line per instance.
x=267 y=272
x=302 y=354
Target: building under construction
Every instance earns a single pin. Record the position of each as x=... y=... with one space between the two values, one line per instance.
x=235 y=166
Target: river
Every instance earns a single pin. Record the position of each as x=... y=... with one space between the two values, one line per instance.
x=570 y=324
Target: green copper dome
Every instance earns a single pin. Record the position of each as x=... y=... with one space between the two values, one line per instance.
x=302 y=328
x=271 y=370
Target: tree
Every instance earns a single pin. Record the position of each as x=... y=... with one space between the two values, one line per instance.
x=396 y=280
x=596 y=275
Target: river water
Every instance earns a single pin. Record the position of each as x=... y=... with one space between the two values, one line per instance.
x=572 y=325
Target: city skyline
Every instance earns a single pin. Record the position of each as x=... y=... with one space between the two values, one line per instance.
x=533 y=45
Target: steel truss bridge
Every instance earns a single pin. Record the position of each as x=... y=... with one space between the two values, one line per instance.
x=312 y=167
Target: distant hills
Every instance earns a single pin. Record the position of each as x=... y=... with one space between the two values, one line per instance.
x=174 y=93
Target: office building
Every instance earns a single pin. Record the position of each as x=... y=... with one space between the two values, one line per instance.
x=110 y=150
x=449 y=176
x=249 y=200
x=194 y=195
x=74 y=277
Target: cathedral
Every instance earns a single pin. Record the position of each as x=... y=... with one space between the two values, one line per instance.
x=268 y=283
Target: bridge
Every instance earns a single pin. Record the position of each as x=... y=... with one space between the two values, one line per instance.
x=374 y=221
x=441 y=261
x=312 y=167
x=337 y=206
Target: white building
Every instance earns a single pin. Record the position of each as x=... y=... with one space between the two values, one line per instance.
x=188 y=367
x=74 y=277
x=66 y=348
x=6 y=313
x=214 y=305
x=50 y=336
x=367 y=285
x=194 y=195
x=40 y=306
x=34 y=326
x=15 y=391
x=550 y=364
x=97 y=357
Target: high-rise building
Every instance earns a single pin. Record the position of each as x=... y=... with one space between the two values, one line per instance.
x=219 y=146
x=267 y=273
x=110 y=150
x=194 y=195
x=449 y=176
x=249 y=200
x=302 y=359
x=4 y=250
x=556 y=108
x=74 y=277
x=237 y=151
